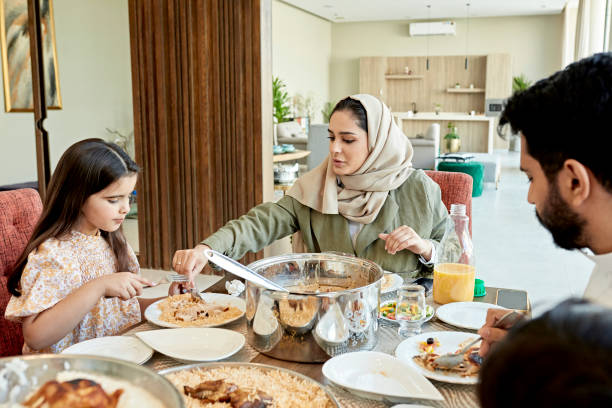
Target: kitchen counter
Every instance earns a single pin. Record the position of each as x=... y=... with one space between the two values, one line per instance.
x=476 y=131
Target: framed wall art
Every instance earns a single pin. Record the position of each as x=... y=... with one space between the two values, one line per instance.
x=16 y=62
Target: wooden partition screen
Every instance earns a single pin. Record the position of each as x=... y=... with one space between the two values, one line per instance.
x=196 y=74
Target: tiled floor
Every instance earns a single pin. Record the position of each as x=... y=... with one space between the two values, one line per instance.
x=513 y=250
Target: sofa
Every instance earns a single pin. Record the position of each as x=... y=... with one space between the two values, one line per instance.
x=426 y=148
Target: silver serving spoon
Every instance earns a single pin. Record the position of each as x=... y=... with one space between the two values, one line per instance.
x=451 y=360
x=240 y=270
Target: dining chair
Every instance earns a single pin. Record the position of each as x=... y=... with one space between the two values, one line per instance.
x=456 y=188
x=19 y=212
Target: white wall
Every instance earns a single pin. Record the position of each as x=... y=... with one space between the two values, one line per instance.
x=533 y=42
x=301 y=53
x=93 y=51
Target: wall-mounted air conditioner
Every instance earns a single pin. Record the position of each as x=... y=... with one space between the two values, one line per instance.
x=433 y=28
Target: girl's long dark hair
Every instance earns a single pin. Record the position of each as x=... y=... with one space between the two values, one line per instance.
x=86 y=168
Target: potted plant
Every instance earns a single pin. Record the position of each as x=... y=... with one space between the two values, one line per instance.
x=452 y=139
x=327 y=111
x=519 y=84
x=437 y=108
x=280 y=103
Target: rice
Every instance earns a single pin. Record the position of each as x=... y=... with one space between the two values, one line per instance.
x=286 y=390
x=132 y=396
x=181 y=304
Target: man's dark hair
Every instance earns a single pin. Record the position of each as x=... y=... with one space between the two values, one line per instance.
x=561 y=359
x=568 y=116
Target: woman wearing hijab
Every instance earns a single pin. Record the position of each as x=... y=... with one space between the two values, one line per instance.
x=364 y=198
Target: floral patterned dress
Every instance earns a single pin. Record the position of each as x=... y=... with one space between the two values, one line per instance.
x=58 y=267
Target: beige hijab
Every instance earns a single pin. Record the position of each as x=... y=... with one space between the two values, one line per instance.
x=363 y=193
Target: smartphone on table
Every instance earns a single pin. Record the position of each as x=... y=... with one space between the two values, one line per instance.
x=513 y=299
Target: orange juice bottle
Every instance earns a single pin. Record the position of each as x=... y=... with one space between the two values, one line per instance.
x=454 y=271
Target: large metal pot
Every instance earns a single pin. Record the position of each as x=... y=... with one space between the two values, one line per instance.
x=306 y=326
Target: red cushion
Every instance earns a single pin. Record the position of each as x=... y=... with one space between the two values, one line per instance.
x=19 y=212
x=11 y=337
x=456 y=188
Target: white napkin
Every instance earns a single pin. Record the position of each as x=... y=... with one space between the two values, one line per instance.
x=235 y=287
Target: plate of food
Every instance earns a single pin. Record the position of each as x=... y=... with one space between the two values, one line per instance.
x=187 y=311
x=387 y=312
x=379 y=376
x=238 y=384
x=64 y=380
x=194 y=344
x=390 y=282
x=467 y=315
x=126 y=348
x=421 y=351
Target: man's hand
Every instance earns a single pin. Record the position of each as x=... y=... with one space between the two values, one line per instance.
x=491 y=335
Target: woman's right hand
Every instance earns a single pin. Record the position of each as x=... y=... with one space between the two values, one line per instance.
x=124 y=285
x=190 y=262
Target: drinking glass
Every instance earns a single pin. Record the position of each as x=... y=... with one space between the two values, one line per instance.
x=410 y=309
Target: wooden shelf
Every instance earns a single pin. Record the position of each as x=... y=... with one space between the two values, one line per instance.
x=403 y=76
x=298 y=154
x=465 y=90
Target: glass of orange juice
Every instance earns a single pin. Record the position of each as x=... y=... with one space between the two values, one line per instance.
x=453 y=282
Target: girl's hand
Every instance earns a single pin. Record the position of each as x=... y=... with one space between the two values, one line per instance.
x=124 y=285
x=189 y=262
x=404 y=237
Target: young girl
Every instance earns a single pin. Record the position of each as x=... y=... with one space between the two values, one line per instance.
x=77 y=278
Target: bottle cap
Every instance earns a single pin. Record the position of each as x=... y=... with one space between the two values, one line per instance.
x=479 y=288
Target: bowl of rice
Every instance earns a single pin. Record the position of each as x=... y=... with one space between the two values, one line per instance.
x=22 y=377
x=224 y=384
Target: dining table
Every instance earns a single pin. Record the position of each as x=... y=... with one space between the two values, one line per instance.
x=455 y=395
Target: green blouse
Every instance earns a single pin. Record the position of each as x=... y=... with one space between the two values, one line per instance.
x=417 y=203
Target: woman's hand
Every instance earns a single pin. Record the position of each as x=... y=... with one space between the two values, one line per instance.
x=404 y=237
x=124 y=285
x=189 y=262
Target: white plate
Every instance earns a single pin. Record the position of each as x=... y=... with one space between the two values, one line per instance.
x=153 y=312
x=429 y=310
x=396 y=282
x=194 y=344
x=449 y=343
x=379 y=376
x=126 y=348
x=467 y=315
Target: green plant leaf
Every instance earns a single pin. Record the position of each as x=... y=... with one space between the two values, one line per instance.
x=327 y=111
x=280 y=101
x=520 y=83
